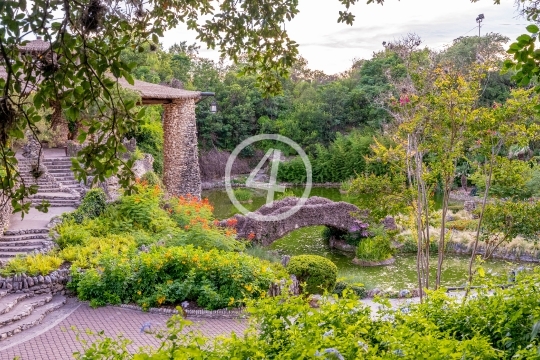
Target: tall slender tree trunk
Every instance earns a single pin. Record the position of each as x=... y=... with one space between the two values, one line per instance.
x=481 y=218
x=446 y=194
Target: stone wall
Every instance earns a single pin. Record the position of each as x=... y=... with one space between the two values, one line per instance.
x=52 y=283
x=59 y=126
x=181 y=173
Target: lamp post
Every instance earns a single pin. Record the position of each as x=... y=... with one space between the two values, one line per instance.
x=479 y=20
x=213 y=105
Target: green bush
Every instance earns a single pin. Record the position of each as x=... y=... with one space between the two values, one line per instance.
x=318 y=273
x=152 y=179
x=92 y=205
x=377 y=248
x=358 y=289
x=462 y=224
x=242 y=194
x=71 y=234
x=214 y=279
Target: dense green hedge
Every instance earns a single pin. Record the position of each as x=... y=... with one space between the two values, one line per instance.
x=318 y=273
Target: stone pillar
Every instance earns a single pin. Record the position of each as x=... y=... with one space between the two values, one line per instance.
x=59 y=125
x=181 y=174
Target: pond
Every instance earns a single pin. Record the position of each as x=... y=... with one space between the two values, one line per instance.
x=400 y=275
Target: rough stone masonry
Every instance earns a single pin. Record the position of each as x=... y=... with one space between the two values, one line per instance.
x=181 y=174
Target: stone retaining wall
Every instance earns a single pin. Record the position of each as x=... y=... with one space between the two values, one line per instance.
x=52 y=283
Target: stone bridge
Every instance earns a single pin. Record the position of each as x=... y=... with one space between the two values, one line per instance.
x=315 y=211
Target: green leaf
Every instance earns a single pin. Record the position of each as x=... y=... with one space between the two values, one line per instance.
x=533 y=29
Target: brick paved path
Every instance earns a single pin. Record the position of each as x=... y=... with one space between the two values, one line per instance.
x=60 y=342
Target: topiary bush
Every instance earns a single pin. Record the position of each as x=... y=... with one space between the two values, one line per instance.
x=315 y=272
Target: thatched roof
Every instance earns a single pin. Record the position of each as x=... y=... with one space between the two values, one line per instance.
x=158 y=94
x=37 y=45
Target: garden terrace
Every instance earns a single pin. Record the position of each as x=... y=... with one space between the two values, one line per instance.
x=315 y=211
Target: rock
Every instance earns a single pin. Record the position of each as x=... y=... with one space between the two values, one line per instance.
x=40 y=279
x=314 y=301
x=389 y=223
x=469 y=206
x=32 y=148
x=56 y=220
x=285 y=259
x=142 y=166
x=404 y=294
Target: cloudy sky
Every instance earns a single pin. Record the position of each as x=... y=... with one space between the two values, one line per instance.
x=331 y=47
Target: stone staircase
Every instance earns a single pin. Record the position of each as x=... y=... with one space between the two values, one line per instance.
x=20 y=311
x=60 y=169
x=22 y=242
x=56 y=182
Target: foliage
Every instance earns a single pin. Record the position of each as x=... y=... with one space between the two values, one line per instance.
x=510 y=179
x=504 y=221
x=343 y=159
x=462 y=224
x=152 y=179
x=38 y=264
x=316 y=273
x=144 y=218
x=214 y=279
x=242 y=194
x=149 y=136
x=383 y=195
x=376 y=248
x=92 y=205
x=356 y=288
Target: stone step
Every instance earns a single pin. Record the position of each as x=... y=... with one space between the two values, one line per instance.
x=24 y=237
x=6 y=255
x=58 y=204
x=24 y=308
x=51 y=190
x=60 y=171
x=26 y=231
x=38 y=244
x=66 y=166
x=54 y=196
x=10 y=300
x=69 y=182
x=36 y=317
x=19 y=249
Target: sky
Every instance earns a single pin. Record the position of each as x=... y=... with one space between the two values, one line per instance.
x=332 y=47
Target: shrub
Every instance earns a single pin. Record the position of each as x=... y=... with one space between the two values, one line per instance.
x=214 y=279
x=35 y=264
x=71 y=234
x=462 y=224
x=243 y=194
x=318 y=273
x=377 y=248
x=151 y=179
x=357 y=288
x=92 y=205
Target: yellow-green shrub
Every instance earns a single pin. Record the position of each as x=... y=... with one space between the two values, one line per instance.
x=36 y=264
